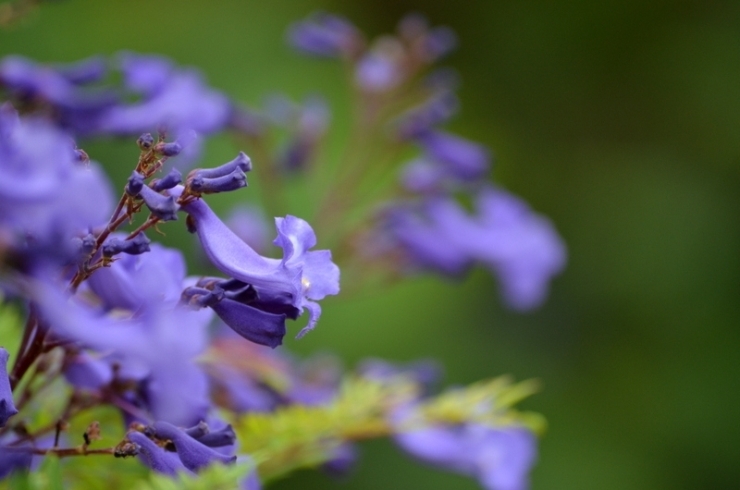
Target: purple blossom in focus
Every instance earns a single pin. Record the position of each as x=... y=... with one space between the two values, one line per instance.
x=305 y=275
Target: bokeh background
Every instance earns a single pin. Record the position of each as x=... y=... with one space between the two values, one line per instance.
x=620 y=120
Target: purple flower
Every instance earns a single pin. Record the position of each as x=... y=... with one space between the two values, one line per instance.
x=135 y=282
x=159 y=346
x=305 y=125
x=379 y=71
x=462 y=158
x=325 y=35
x=306 y=276
x=434 y=111
x=87 y=371
x=7 y=408
x=47 y=197
x=194 y=454
x=177 y=99
x=522 y=248
x=499 y=457
x=428 y=44
x=431 y=235
x=74 y=107
x=156 y=457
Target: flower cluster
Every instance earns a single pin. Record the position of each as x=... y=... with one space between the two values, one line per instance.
x=186 y=361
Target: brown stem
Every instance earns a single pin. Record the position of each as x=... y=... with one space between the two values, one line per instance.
x=74 y=451
x=151 y=221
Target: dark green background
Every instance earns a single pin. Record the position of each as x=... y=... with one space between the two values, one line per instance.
x=619 y=120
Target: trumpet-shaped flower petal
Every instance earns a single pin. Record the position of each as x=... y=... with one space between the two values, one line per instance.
x=305 y=275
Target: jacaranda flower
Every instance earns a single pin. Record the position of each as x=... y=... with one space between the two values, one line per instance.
x=305 y=275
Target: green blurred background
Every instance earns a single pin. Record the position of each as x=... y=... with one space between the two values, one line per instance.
x=619 y=120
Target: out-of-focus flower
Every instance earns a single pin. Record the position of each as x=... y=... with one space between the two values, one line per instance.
x=521 y=247
x=74 y=107
x=176 y=99
x=158 y=347
x=500 y=458
x=7 y=408
x=325 y=35
x=45 y=192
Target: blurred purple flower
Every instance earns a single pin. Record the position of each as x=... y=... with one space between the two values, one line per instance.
x=45 y=192
x=325 y=35
x=462 y=158
x=521 y=247
x=160 y=345
x=135 y=282
x=7 y=408
x=75 y=108
x=500 y=458
x=379 y=71
x=431 y=234
x=176 y=99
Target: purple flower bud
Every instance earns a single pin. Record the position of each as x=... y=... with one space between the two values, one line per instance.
x=325 y=35
x=231 y=182
x=84 y=246
x=439 y=42
x=134 y=184
x=145 y=141
x=201 y=297
x=465 y=159
x=84 y=71
x=378 y=71
x=199 y=430
x=241 y=162
x=255 y=325
x=163 y=207
x=136 y=246
x=436 y=110
x=154 y=456
x=7 y=408
x=193 y=454
x=168 y=181
x=219 y=438
x=170 y=149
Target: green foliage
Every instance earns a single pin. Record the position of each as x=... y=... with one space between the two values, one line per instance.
x=215 y=477
x=303 y=436
x=47 y=477
x=11 y=323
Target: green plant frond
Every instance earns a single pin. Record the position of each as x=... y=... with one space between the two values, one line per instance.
x=298 y=436
x=214 y=477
